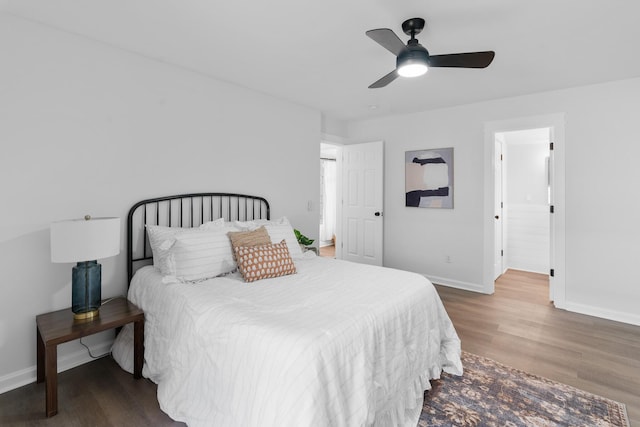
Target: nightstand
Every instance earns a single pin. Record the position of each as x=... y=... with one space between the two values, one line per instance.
x=59 y=327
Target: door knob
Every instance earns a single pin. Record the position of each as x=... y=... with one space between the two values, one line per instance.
x=378 y=214
x=497 y=217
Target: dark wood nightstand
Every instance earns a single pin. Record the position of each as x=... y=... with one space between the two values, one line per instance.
x=59 y=327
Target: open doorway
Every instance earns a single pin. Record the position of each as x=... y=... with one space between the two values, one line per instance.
x=494 y=212
x=523 y=188
x=328 y=199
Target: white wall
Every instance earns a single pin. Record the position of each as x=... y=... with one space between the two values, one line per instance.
x=86 y=128
x=527 y=206
x=602 y=227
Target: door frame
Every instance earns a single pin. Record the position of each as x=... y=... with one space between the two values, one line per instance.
x=557 y=124
x=498 y=182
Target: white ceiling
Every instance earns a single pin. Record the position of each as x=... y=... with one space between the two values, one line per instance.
x=315 y=53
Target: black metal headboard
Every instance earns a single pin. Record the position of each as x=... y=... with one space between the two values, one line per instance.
x=185 y=210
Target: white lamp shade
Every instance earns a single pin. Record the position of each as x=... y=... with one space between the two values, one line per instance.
x=80 y=240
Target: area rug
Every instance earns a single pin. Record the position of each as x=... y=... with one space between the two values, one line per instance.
x=491 y=394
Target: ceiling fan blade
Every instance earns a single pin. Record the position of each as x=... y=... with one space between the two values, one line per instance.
x=387 y=39
x=463 y=60
x=385 y=80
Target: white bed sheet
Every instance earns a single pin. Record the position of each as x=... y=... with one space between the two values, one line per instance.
x=337 y=344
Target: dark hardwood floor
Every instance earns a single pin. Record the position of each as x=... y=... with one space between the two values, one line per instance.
x=98 y=393
x=516 y=326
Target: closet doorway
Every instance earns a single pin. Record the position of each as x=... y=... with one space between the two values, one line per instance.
x=328 y=199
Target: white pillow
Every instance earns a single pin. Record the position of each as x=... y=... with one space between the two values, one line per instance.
x=251 y=225
x=161 y=238
x=281 y=230
x=199 y=254
x=158 y=238
x=216 y=223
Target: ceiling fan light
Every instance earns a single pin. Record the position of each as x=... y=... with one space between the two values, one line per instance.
x=412 y=70
x=412 y=62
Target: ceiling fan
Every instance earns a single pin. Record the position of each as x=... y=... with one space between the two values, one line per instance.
x=413 y=59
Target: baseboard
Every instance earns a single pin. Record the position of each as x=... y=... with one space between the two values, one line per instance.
x=589 y=310
x=28 y=375
x=467 y=286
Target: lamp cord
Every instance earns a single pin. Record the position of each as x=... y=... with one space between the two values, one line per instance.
x=89 y=351
x=86 y=346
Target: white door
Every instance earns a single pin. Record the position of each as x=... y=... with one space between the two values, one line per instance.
x=362 y=215
x=498 y=257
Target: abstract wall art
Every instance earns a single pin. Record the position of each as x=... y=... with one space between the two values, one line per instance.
x=429 y=178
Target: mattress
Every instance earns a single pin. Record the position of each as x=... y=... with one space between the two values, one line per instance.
x=337 y=344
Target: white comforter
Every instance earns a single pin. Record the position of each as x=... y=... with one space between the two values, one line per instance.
x=337 y=344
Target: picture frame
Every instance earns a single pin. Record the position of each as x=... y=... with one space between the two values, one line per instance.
x=429 y=178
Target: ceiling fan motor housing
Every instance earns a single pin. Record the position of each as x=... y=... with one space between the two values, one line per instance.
x=415 y=53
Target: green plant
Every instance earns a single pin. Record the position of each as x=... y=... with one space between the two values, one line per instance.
x=302 y=239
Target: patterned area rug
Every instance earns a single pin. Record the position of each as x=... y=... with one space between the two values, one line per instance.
x=490 y=394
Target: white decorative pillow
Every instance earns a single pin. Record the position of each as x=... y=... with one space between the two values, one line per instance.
x=265 y=261
x=200 y=254
x=284 y=231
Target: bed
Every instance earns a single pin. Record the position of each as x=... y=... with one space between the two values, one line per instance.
x=333 y=344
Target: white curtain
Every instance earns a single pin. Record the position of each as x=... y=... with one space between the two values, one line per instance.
x=328 y=199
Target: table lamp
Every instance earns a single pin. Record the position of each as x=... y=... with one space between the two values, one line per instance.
x=84 y=241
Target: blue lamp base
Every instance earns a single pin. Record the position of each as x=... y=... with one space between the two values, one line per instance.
x=86 y=290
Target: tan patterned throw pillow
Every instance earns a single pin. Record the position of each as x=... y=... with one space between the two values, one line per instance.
x=265 y=261
x=256 y=237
